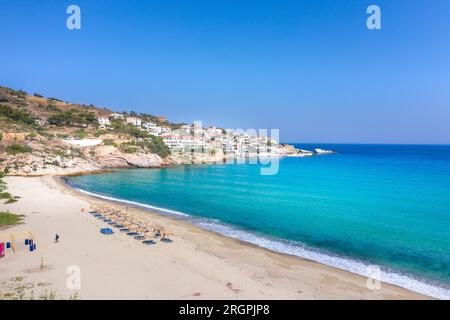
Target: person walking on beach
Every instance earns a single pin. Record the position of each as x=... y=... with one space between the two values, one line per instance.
x=56 y=237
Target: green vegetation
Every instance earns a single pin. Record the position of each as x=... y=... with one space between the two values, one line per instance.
x=73 y=118
x=17 y=93
x=18 y=148
x=80 y=134
x=121 y=127
x=16 y=115
x=158 y=146
x=31 y=136
x=47 y=135
x=129 y=147
x=152 y=144
x=54 y=99
x=9 y=219
x=63 y=152
x=100 y=133
x=151 y=118
x=109 y=142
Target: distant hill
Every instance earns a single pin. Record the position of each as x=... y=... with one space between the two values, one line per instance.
x=36 y=137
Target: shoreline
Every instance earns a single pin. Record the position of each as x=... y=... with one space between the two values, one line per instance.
x=199 y=264
x=185 y=219
x=245 y=238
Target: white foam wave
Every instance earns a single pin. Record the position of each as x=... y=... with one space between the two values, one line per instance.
x=134 y=203
x=354 y=266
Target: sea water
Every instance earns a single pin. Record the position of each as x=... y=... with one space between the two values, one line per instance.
x=382 y=205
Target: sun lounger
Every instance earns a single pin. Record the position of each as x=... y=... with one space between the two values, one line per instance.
x=124 y=230
x=148 y=242
x=166 y=240
x=116 y=225
x=132 y=234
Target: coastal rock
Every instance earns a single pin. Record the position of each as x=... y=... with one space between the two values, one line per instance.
x=39 y=165
x=111 y=157
x=58 y=159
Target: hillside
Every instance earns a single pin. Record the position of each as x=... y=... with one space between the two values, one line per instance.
x=41 y=136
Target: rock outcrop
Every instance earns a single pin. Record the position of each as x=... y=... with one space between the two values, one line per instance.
x=111 y=157
x=58 y=159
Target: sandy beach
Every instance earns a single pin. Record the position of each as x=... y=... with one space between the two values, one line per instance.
x=198 y=265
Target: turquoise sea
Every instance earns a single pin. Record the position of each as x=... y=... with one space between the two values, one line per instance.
x=384 y=205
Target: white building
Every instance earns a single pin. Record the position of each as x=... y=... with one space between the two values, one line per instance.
x=134 y=121
x=104 y=121
x=116 y=115
x=152 y=128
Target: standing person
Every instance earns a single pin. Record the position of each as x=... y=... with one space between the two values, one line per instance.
x=56 y=237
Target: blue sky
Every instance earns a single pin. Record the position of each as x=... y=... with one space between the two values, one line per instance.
x=310 y=68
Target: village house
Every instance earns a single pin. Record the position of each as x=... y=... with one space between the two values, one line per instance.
x=134 y=121
x=104 y=121
x=152 y=128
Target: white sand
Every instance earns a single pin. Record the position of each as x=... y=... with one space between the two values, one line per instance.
x=197 y=265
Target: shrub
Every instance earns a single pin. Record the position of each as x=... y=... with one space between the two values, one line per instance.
x=54 y=99
x=128 y=148
x=100 y=132
x=7 y=218
x=17 y=148
x=31 y=136
x=109 y=142
x=80 y=134
x=153 y=145
x=157 y=145
x=72 y=118
x=16 y=115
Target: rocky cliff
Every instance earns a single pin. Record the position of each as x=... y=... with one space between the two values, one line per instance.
x=59 y=159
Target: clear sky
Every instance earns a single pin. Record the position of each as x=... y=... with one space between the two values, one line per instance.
x=310 y=68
